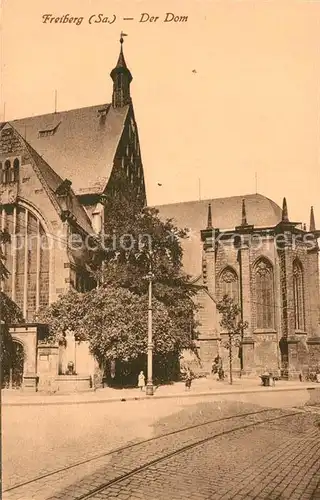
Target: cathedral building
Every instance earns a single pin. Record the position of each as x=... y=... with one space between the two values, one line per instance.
x=247 y=247
x=55 y=169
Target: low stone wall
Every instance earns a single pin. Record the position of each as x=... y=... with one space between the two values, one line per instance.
x=72 y=383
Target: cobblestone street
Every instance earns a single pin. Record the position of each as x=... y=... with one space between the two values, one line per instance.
x=265 y=463
x=263 y=453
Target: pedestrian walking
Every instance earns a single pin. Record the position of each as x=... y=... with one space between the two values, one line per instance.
x=214 y=368
x=141 y=381
x=188 y=379
x=219 y=365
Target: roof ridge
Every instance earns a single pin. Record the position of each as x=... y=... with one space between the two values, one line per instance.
x=214 y=199
x=58 y=112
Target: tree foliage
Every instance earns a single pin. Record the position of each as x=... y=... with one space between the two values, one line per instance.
x=232 y=323
x=9 y=313
x=113 y=317
x=66 y=313
x=134 y=239
x=114 y=320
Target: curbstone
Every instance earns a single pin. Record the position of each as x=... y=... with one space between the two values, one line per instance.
x=312 y=392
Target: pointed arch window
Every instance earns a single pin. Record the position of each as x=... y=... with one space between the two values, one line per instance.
x=264 y=294
x=15 y=170
x=229 y=284
x=6 y=172
x=27 y=259
x=298 y=295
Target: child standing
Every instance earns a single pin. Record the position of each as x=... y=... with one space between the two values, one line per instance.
x=141 y=381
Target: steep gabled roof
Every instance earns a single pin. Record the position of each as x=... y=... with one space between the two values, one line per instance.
x=52 y=181
x=79 y=144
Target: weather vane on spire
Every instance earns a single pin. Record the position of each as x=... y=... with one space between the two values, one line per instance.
x=121 y=36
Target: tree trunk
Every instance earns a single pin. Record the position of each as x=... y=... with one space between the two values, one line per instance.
x=230 y=358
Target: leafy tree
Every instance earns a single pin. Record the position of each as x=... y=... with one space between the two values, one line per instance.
x=9 y=313
x=230 y=322
x=66 y=313
x=134 y=238
x=114 y=320
x=114 y=315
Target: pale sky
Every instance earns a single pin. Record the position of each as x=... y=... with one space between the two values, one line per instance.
x=251 y=106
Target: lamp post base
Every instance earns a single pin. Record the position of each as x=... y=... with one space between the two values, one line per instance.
x=149 y=389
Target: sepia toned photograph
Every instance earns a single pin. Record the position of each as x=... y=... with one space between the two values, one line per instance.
x=159 y=249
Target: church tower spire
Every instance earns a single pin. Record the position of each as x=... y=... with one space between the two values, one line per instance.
x=122 y=78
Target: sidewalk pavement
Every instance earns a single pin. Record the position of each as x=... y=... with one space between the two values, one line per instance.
x=200 y=387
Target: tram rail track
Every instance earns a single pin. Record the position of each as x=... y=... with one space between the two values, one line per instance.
x=129 y=446
x=186 y=438
x=137 y=470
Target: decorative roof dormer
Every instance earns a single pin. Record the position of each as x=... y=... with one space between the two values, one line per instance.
x=122 y=78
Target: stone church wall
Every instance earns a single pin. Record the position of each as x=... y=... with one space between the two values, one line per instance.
x=261 y=346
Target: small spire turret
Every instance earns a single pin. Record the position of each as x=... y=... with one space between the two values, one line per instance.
x=244 y=214
x=122 y=78
x=209 y=223
x=312 y=226
x=285 y=217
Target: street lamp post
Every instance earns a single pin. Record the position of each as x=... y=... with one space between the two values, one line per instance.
x=149 y=387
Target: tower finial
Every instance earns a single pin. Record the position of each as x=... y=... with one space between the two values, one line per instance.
x=121 y=37
x=285 y=217
x=122 y=78
x=312 y=226
x=209 y=223
x=244 y=214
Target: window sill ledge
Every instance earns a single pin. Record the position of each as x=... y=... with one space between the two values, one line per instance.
x=265 y=330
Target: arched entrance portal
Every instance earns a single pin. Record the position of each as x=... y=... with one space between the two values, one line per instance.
x=12 y=365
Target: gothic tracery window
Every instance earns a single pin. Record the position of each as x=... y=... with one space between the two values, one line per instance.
x=27 y=259
x=264 y=295
x=229 y=284
x=298 y=294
